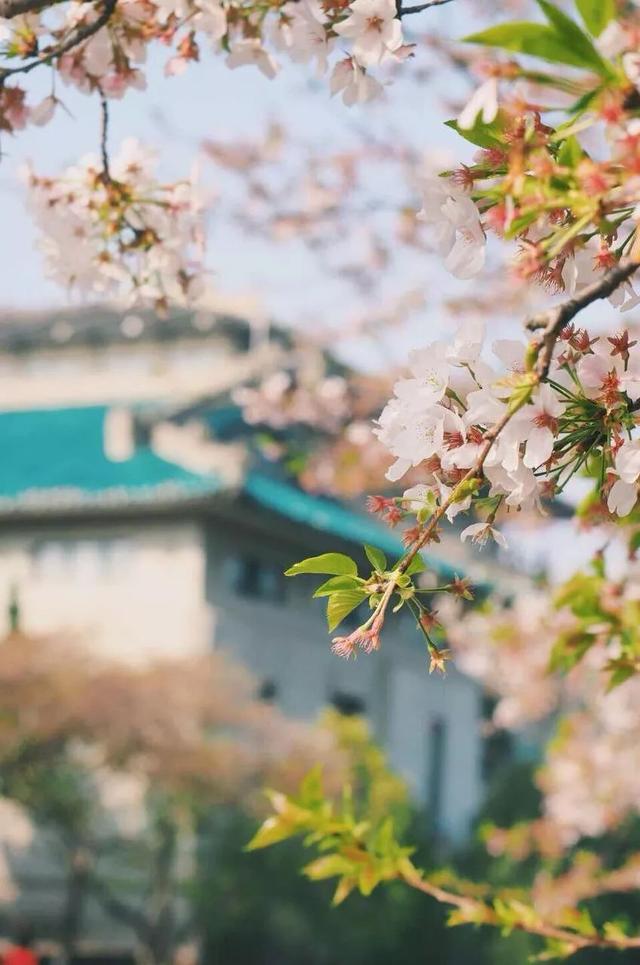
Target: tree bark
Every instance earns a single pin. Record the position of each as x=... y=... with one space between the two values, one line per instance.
x=75 y=902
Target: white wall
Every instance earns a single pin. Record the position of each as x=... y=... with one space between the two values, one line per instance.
x=139 y=591
x=130 y=591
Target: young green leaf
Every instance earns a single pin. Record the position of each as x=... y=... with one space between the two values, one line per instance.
x=341 y=604
x=376 y=557
x=337 y=583
x=331 y=564
x=271 y=831
x=596 y=14
x=482 y=135
x=417 y=565
x=574 y=38
x=570 y=152
x=328 y=866
x=536 y=39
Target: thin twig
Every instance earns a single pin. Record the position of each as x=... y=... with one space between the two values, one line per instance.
x=104 y=134
x=419 y=7
x=17 y=8
x=78 y=36
x=552 y=322
x=486 y=915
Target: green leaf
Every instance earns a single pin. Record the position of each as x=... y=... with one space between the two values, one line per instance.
x=518 y=224
x=596 y=14
x=336 y=564
x=570 y=153
x=336 y=583
x=341 y=604
x=273 y=830
x=576 y=40
x=328 y=866
x=482 y=135
x=311 y=786
x=615 y=931
x=535 y=39
x=376 y=557
x=417 y=565
x=581 y=593
x=569 y=650
x=345 y=887
x=619 y=674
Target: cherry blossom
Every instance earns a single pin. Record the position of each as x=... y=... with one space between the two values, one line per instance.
x=151 y=244
x=455 y=222
x=481 y=533
x=374 y=28
x=354 y=84
x=624 y=492
x=251 y=52
x=483 y=102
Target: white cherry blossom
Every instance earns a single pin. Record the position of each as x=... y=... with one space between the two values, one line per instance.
x=539 y=422
x=483 y=102
x=309 y=39
x=353 y=83
x=455 y=222
x=246 y=53
x=480 y=533
x=622 y=498
x=374 y=28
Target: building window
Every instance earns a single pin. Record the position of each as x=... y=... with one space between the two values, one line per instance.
x=88 y=560
x=351 y=705
x=250 y=576
x=437 y=748
x=268 y=691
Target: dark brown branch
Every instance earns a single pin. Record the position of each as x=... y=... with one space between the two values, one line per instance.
x=117 y=908
x=104 y=134
x=555 y=319
x=419 y=7
x=17 y=8
x=552 y=322
x=77 y=37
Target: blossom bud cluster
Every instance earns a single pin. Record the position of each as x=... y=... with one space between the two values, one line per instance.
x=120 y=231
x=351 y=40
x=571 y=210
x=582 y=418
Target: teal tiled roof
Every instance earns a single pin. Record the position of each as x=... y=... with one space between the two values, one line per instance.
x=53 y=460
x=329 y=517
x=55 y=457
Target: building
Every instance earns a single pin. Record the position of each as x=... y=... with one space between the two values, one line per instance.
x=149 y=532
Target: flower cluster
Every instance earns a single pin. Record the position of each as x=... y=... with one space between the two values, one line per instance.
x=105 y=232
x=110 y=56
x=509 y=652
x=277 y=401
x=589 y=781
x=581 y=417
x=571 y=209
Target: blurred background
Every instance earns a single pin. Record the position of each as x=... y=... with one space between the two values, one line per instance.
x=158 y=475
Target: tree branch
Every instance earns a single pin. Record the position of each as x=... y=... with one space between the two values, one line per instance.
x=419 y=7
x=77 y=37
x=554 y=319
x=117 y=908
x=104 y=134
x=17 y=8
x=482 y=913
x=552 y=322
